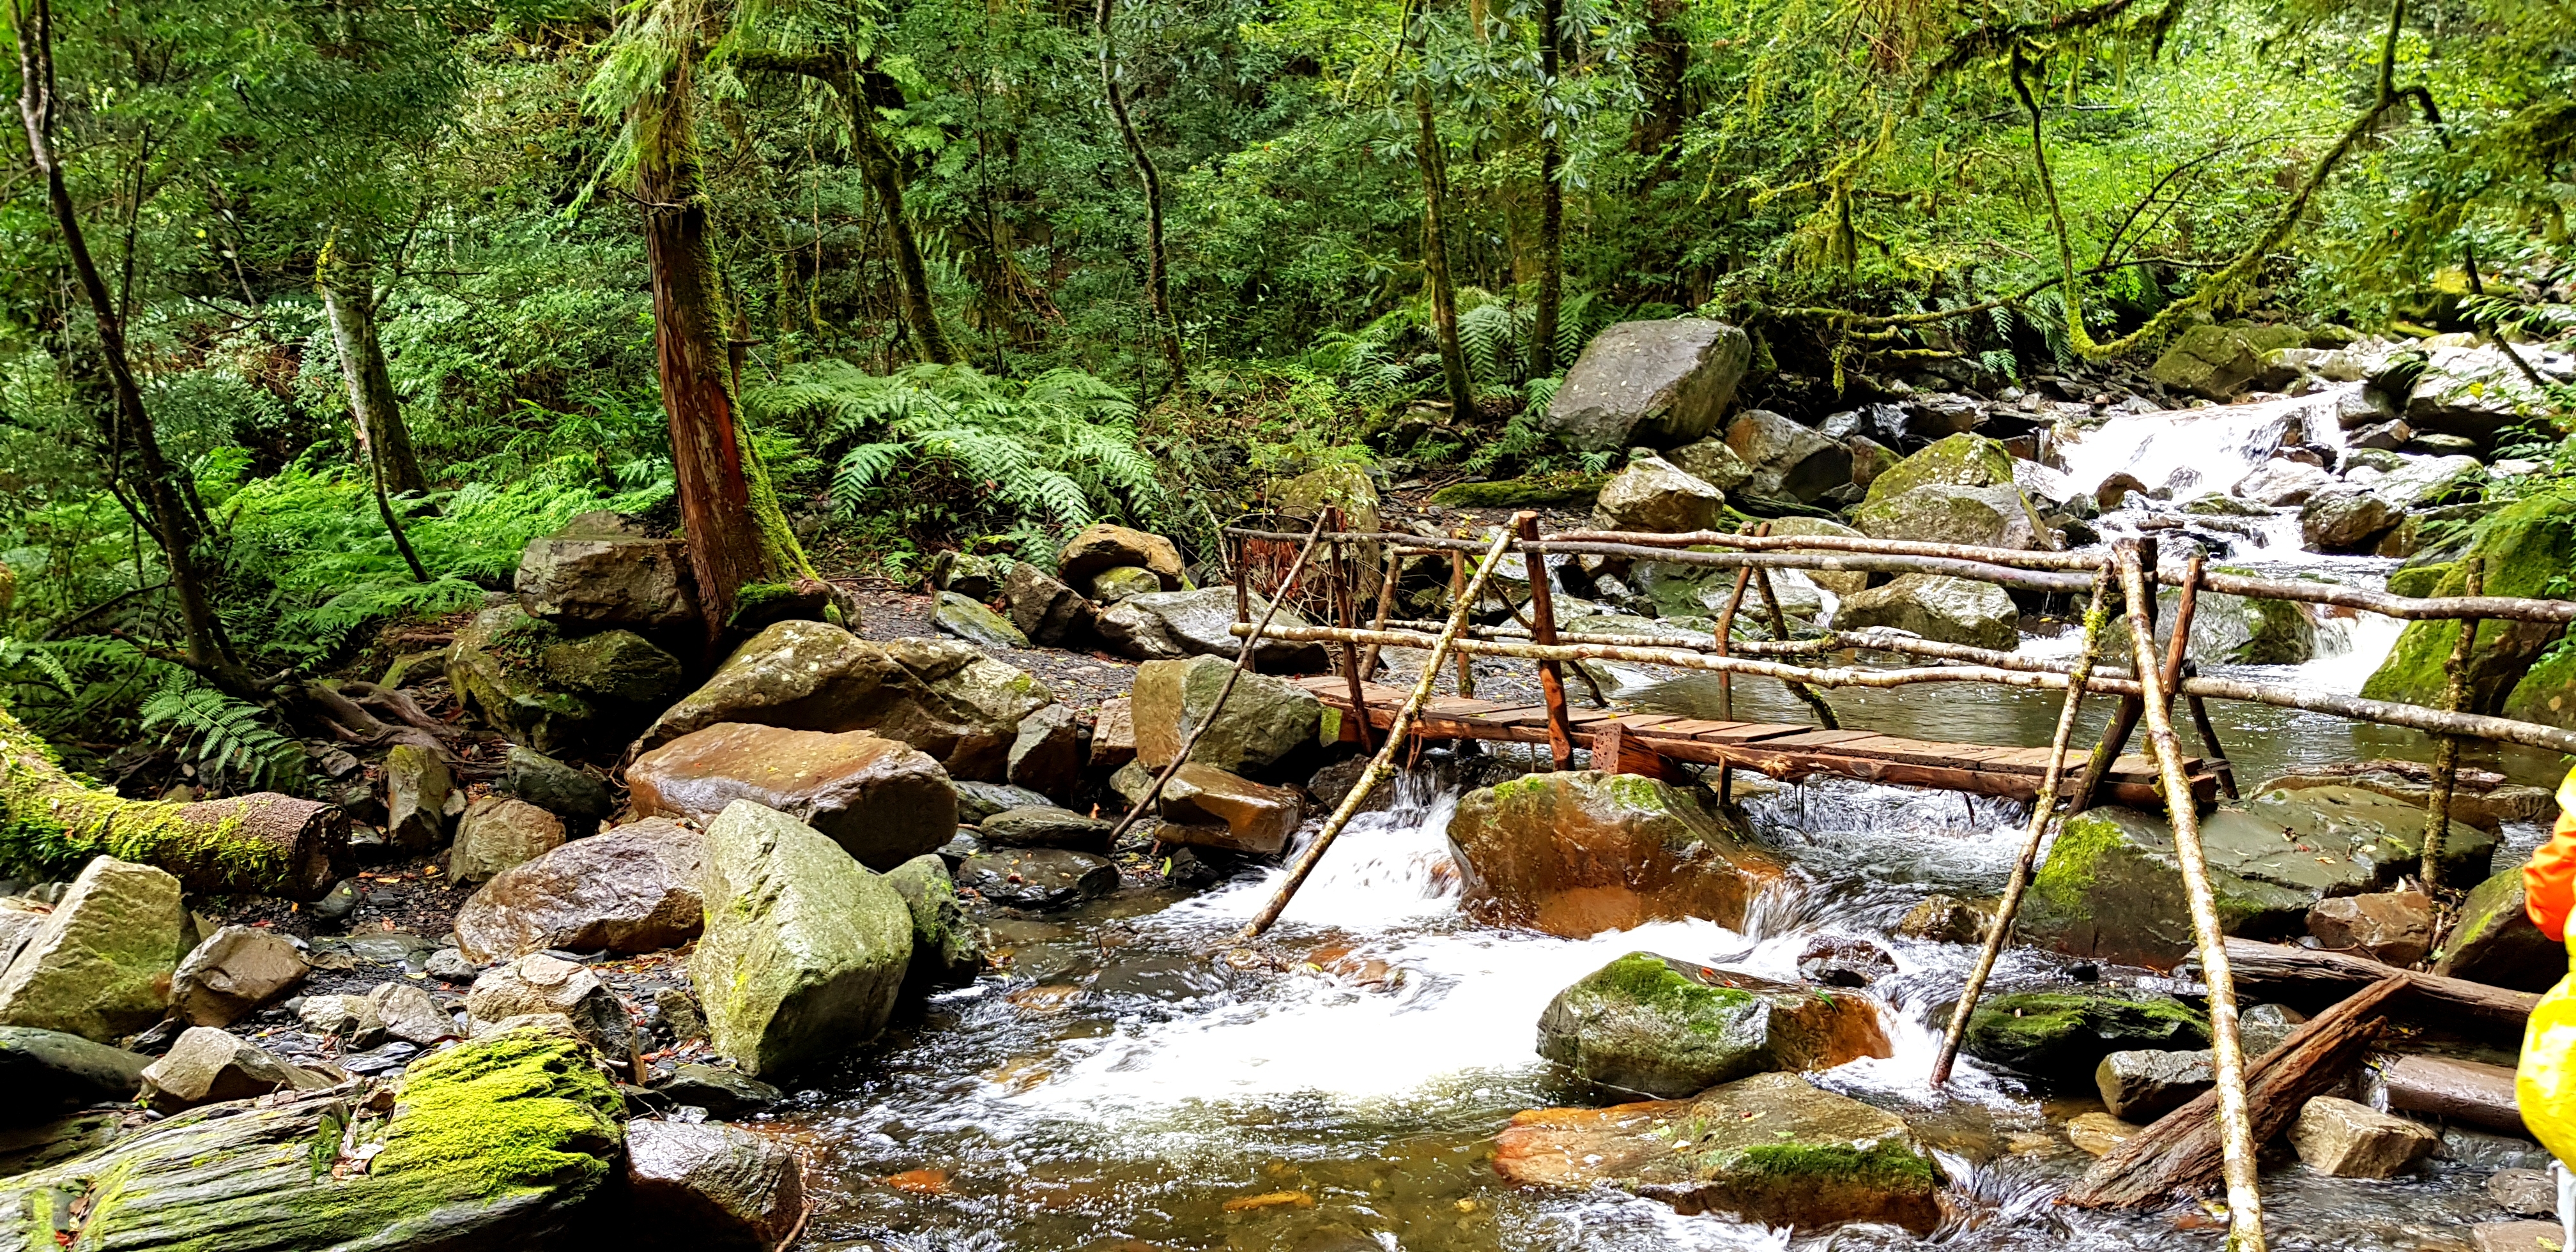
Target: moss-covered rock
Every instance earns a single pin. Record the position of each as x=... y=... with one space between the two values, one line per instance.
x=1659 y=1027
x=1771 y=1149
x=493 y=1144
x=1344 y=486
x=2060 y=1036
x=2112 y=888
x=497 y=667
x=1981 y=517
x=2524 y=548
x=2217 y=361
x=2238 y=630
x=947 y=948
x=2496 y=942
x=1535 y=491
x=1580 y=852
x=1961 y=460
x=101 y=967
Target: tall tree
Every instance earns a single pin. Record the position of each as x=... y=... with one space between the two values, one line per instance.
x=1551 y=196
x=738 y=535
x=348 y=284
x=1158 y=295
x=1435 y=256
x=129 y=428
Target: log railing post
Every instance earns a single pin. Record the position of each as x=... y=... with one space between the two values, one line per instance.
x=1551 y=678
x=2124 y=716
x=1385 y=606
x=2227 y=1055
x=2446 y=758
x=1346 y=612
x=1458 y=604
x=1725 y=641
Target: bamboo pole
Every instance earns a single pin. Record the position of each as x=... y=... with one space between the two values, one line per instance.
x=2446 y=759
x=2041 y=810
x=1251 y=644
x=1551 y=679
x=1385 y=606
x=1396 y=733
x=1459 y=605
x=2227 y=1056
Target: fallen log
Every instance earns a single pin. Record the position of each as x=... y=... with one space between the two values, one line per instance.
x=264 y=844
x=2283 y=972
x=2181 y=1152
x=2459 y=1091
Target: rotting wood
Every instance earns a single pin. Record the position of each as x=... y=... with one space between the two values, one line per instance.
x=2041 y=810
x=2227 y=1059
x=2446 y=758
x=2281 y=972
x=1242 y=661
x=2181 y=1151
x=1396 y=733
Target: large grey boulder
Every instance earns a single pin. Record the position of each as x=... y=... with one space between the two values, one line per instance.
x=1264 y=721
x=633 y=889
x=1657 y=382
x=880 y=799
x=2476 y=393
x=1668 y=1029
x=2062 y=1036
x=603 y=569
x=947 y=948
x=1939 y=608
x=2346 y=518
x=1168 y=625
x=47 y=1071
x=709 y=1187
x=942 y=696
x=805 y=949
x=1982 y=517
x=539 y=985
x=1789 y=461
x=236 y=971
x=1652 y=494
x=102 y=965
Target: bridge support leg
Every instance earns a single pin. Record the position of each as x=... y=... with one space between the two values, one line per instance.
x=1615 y=751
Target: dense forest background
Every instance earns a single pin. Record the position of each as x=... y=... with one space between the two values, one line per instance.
x=341 y=301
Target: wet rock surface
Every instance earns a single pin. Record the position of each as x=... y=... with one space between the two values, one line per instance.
x=1653 y=1026
x=1577 y=853
x=2061 y=1036
x=1037 y=878
x=879 y=798
x=711 y=1186
x=634 y=889
x=101 y=965
x=237 y=970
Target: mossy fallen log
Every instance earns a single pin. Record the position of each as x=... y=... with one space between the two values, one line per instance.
x=264 y=844
x=493 y=1144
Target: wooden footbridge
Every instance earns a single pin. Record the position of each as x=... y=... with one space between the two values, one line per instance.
x=1651 y=744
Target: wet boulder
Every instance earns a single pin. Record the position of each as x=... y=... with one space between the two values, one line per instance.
x=2395 y=927
x=622 y=671
x=2481 y=799
x=46 y=1072
x=805 y=949
x=2344 y=1139
x=1652 y=494
x=1580 y=852
x=1711 y=461
x=947 y=949
x=1961 y=460
x=942 y=696
x=2141 y=1086
x=1660 y=382
x=1104 y=546
x=1118 y=582
x=1263 y=722
x=721 y=1092
x=1981 y=517
x=1050 y=613
x=411 y=1014
x=2218 y=361
x=1168 y=625
x=1833 y=961
x=2346 y=519
x=968 y=619
x=539 y=985
x=1216 y=809
x=1790 y=461
x=2060 y=1037
x=549 y=784
x=979 y=800
x=2239 y=630
x=417 y=789
x=494 y=667
x=2521 y=548
x=1046 y=827
x=498 y=1143
x=498 y=832
x=1947 y=919
x=2282 y=482
x=1037 y=878
x=1046 y=756
x=2475 y=392
x=1771 y=1149
x=880 y=799
x=2496 y=942
x=102 y=964
x=1939 y=608
x=633 y=889
x=709 y=1187
x=606 y=570
x=1667 y=1029
x=208 y=1066
x=235 y=972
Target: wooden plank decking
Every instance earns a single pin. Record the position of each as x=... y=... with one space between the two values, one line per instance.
x=1778 y=750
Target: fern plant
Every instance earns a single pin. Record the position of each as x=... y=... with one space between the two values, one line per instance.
x=1057 y=453
x=223 y=736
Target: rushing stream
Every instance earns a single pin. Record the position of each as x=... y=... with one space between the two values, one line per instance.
x=1132 y=1080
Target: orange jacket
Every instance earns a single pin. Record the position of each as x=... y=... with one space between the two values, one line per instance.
x=2549 y=882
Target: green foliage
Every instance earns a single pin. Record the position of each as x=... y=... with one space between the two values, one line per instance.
x=230 y=738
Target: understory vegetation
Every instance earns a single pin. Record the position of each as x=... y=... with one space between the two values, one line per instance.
x=313 y=315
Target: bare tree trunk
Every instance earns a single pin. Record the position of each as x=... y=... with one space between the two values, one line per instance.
x=349 y=298
x=886 y=179
x=1158 y=293
x=738 y=536
x=1435 y=259
x=1551 y=199
x=173 y=525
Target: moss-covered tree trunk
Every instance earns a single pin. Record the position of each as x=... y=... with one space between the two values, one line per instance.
x=348 y=285
x=738 y=536
x=264 y=844
x=1158 y=295
x=885 y=178
x=1435 y=259
x=1551 y=199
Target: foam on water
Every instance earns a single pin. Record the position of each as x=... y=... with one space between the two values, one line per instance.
x=2195 y=450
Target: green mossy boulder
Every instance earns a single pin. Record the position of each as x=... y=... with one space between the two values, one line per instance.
x=496 y=667
x=1659 y=1027
x=2524 y=547
x=493 y=1144
x=2061 y=1036
x=102 y=966
x=1534 y=492
x=2217 y=361
x=1265 y=720
x=2495 y=941
x=947 y=948
x=1961 y=460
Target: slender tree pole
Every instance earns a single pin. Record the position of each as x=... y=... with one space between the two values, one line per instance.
x=1158 y=294
x=1435 y=245
x=348 y=286
x=1551 y=196
x=173 y=525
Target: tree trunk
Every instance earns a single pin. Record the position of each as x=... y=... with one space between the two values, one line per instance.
x=1551 y=199
x=738 y=536
x=1158 y=296
x=886 y=179
x=265 y=844
x=349 y=298
x=1435 y=260
x=173 y=526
